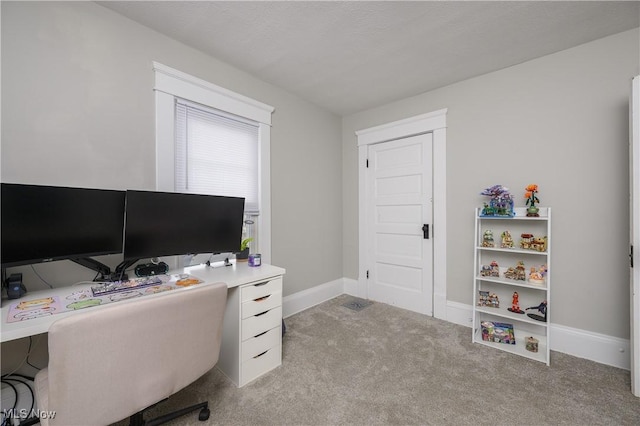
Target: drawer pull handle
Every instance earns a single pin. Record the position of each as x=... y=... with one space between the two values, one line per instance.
x=258 y=335
x=262 y=299
x=261 y=313
x=261 y=284
x=259 y=355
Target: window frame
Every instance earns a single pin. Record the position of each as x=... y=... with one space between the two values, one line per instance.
x=171 y=83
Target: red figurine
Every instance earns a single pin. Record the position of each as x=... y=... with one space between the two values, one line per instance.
x=515 y=304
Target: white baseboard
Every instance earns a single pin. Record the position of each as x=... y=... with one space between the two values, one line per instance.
x=459 y=313
x=596 y=347
x=298 y=302
x=351 y=287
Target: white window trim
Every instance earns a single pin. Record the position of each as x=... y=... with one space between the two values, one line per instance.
x=170 y=83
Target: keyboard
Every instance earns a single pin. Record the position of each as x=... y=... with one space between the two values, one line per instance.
x=119 y=286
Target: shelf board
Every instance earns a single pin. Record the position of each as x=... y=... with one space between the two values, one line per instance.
x=517 y=283
x=512 y=218
x=511 y=316
x=519 y=348
x=512 y=250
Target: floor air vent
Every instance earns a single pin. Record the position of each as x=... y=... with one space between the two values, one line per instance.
x=357 y=304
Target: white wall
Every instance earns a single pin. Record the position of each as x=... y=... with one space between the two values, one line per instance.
x=561 y=122
x=78 y=110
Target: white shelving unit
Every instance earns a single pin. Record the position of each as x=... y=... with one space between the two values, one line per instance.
x=530 y=295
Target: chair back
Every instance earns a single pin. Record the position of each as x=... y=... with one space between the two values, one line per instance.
x=108 y=363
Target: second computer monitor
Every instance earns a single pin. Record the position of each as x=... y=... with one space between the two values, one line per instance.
x=167 y=223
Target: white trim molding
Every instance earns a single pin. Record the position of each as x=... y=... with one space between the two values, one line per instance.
x=171 y=83
x=436 y=123
x=303 y=300
x=585 y=344
x=186 y=86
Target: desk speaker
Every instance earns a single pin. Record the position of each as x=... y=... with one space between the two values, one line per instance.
x=147 y=269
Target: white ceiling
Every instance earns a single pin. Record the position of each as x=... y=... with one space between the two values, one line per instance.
x=348 y=56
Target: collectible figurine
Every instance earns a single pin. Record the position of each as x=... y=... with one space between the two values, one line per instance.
x=487 y=239
x=495 y=269
x=520 y=271
x=517 y=273
x=539 y=244
x=488 y=299
x=510 y=273
x=542 y=308
x=507 y=241
x=537 y=276
x=487 y=210
x=485 y=271
x=515 y=304
x=495 y=302
x=525 y=241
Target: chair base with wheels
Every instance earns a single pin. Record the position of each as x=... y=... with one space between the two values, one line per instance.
x=138 y=418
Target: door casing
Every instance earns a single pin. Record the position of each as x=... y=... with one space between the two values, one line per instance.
x=434 y=122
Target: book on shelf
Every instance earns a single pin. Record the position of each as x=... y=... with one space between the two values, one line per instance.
x=498 y=332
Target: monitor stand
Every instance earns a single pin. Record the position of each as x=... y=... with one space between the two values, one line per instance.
x=219 y=264
x=103 y=270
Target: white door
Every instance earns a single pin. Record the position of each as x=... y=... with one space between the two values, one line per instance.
x=399 y=223
x=634 y=151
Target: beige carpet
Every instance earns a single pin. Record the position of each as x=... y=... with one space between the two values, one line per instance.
x=387 y=366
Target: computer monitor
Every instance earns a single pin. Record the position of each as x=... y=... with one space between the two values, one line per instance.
x=46 y=223
x=167 y=223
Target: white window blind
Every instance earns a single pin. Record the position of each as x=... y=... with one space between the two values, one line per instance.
x=216 y=154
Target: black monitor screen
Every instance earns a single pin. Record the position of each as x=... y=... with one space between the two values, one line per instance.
x=167 y=223
x=44 y=223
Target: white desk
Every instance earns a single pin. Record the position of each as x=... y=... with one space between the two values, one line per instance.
x=252 y=332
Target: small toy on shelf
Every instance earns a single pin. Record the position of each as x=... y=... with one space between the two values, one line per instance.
x=531 y=344
x=515 y=304
x=495 y=269
x=529 y=242
x=517 y=273
x=485 y=271
x=537 y=276
x=487 y=210
x=488 y=299
x=507 y=241
x=530 y=195
x=487 y=239
x=539 y=244
x=492 y=270
x=500 y=204
x=525 y=241
x=542 y=308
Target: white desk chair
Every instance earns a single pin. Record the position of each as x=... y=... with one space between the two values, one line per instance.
x=113 y=362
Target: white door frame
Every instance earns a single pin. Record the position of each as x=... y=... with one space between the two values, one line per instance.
x=436 y=123
x=634 y=198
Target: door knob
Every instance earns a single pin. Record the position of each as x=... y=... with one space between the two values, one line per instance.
x=425 y=231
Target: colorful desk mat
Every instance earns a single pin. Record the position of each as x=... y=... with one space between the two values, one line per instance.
x=81 y=299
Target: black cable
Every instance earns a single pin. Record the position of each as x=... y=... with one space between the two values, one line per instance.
x=33 y=397
x=29 y=354
x=24 y=376
x=15 y=403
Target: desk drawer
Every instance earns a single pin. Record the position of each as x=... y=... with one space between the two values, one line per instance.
x=255 y=291
x=263 y=363
x=263 y=342
x=262 y=304
x=252 y=326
